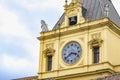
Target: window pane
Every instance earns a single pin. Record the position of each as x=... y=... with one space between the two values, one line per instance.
x=49 y=63
x=96 y=54
x=73 y=20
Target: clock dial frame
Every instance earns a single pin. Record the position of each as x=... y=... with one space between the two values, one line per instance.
x=71 y=52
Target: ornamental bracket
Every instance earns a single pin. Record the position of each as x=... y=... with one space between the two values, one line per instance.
x=49 y=52
x=95 y=42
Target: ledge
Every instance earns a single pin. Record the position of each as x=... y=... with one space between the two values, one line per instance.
x=79 y=71
x=74 y=29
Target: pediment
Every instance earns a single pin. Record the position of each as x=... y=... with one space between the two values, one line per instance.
x=49 y=51
x=95 y=42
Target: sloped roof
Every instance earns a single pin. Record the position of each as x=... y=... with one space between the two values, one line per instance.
x=27 y=78
x=95 y=9
x=115 y=76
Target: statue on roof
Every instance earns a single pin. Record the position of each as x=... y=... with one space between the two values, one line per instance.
x=106 y=10
x=44 y=26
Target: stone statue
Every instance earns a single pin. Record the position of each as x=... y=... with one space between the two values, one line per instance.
x=106 y=10
x=44 y=26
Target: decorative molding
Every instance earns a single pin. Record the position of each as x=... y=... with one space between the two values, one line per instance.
x=61 y=67
x=50 y=45
x=49 y=52
x=81 y=63
x=50 y=79
x=82 y=39
x=96 y=36
x=95 y=42
x=62 y=43
x=99 y=24
x=74 y=9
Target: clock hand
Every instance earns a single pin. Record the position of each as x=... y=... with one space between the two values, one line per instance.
x=70 y=54
x=73 y=53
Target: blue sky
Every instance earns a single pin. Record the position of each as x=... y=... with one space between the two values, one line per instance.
x=19 y=27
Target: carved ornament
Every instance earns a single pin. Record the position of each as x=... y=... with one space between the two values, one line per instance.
x=96 y=36
x=72 y=8
x=49 y=52
x=95 y=42
x=44 y=26
x=50 y=45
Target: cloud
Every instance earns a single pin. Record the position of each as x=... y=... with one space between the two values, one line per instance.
x=40 y=4
x=13 y=64
x=16 y=35
x=10 y=24
x=116 y=5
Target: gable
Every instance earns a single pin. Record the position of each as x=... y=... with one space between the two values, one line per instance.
x=94 y=10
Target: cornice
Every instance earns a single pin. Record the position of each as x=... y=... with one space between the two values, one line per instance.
x=80 y=28
x=114 y=27
x=82 y=66
x=107 y=69
x=87 y=73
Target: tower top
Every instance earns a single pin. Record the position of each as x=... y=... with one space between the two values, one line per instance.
x=73 y=13
x=66 y=1
x=91 y=10
x=75 y=1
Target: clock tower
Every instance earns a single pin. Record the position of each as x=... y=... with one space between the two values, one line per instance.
x=73 y=13
x=84 y=44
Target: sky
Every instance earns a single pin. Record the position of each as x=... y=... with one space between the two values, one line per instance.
x=19 y=28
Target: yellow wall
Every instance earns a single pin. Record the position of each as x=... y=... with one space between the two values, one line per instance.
x=84 y=64
x=112 y=42
x=103 y=31
x=90 y=77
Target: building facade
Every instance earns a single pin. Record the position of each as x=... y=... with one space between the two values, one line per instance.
x=84 y=44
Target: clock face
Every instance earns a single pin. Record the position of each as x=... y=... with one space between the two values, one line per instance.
x=71 y=52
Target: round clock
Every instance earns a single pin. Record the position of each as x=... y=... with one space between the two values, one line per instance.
x=71 y=52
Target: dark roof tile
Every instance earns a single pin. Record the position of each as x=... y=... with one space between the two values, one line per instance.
x=95 y=9
x=115 y=76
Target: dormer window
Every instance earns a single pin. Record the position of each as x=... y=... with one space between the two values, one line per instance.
x=73 y=20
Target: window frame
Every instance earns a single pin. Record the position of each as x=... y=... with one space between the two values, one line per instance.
x=70 y=20
x=49 y=63
x=96 y=54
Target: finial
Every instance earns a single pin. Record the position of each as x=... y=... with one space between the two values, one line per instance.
x=66 y=1
x=75 y=1
x=72 y=1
